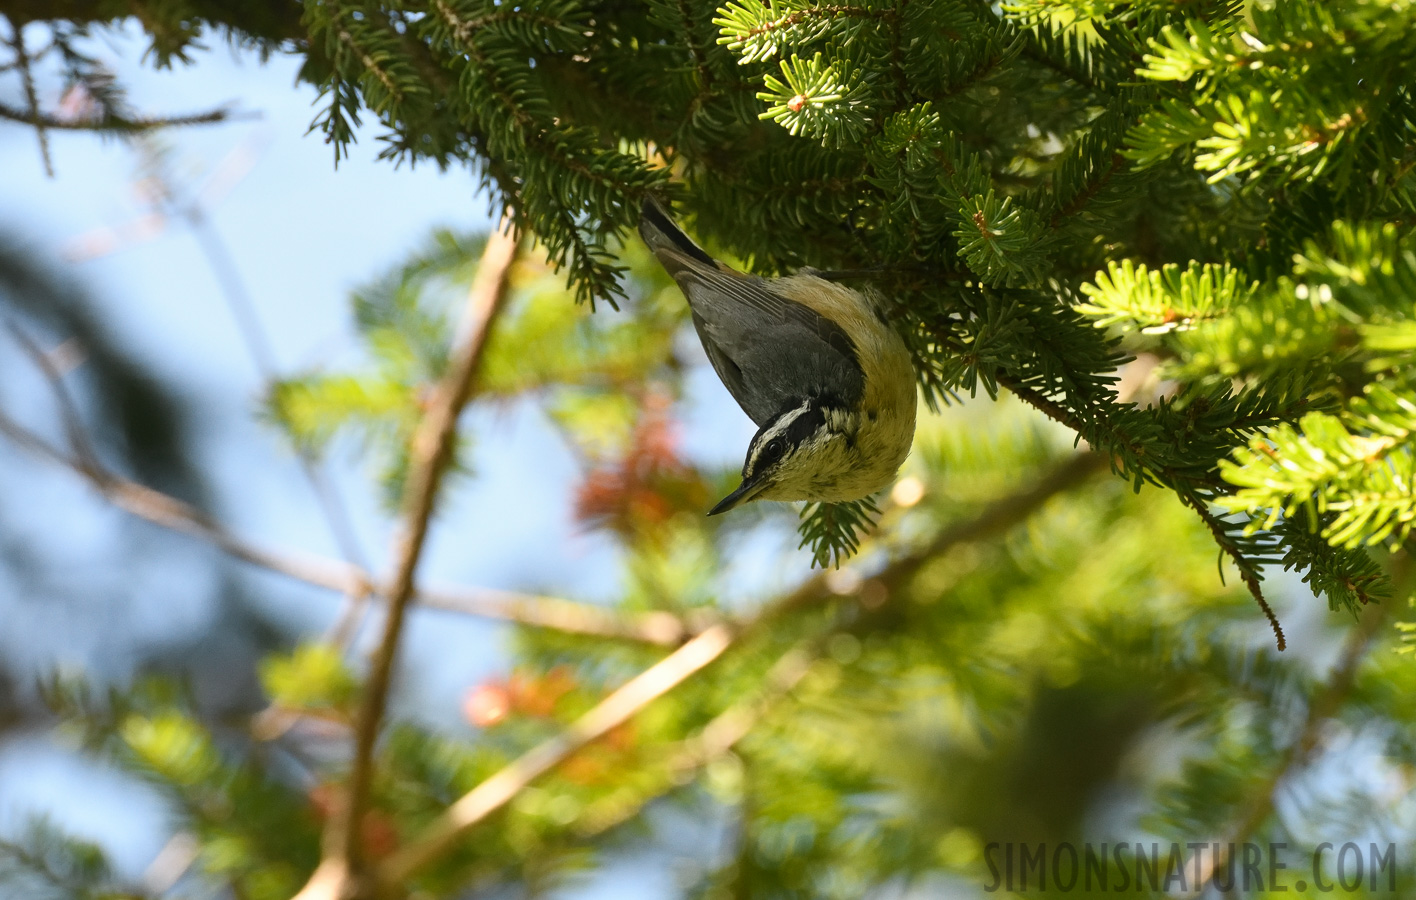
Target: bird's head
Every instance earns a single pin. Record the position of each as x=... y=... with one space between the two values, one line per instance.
x=797 y=455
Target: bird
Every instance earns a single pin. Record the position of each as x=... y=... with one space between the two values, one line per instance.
x=815 y=364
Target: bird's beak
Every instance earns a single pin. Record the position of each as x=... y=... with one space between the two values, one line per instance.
x=745 y=492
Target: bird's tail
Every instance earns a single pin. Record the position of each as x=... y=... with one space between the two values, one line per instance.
x=674 y=249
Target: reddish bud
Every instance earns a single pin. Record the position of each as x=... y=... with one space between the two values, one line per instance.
x=378 y=837
x=486 y=704
x=796 y=103
x=322 y=798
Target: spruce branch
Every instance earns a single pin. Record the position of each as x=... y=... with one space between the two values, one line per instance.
x=760 y=31
x=816 y=99
x=700 y=59
x=833 y=530
x=1246 y=554
x=1072 y=62
x=1349 y=578
x=1170 y=299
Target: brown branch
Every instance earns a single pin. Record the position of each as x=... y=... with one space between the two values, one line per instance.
x=22 y=62
x=714 y=740
x=120 y=123
x=494 y=793
x=1323 y=705
x=68 y=410
x=655 y=627
x=342 y=871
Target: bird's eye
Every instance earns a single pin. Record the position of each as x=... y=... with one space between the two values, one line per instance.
x=772 y=452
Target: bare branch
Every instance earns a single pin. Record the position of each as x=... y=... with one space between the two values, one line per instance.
x=123 y=124
x=431 y=451
x=525 y=609
x=177 y=515
x=233 y=290
x=492 y=794
x=714 y=740
x=22 y=62
x=654 y=627
x=73 y=422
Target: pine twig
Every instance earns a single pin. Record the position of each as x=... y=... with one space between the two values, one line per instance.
x=341 y=873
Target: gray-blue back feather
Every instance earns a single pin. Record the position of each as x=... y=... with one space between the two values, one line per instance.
x=769 y=352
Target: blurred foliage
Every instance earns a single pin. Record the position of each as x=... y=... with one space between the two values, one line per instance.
x=44 y=863
x=1177 y=232
x=1071 y=670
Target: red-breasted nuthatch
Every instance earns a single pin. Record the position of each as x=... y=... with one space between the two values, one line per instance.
x=814 y=363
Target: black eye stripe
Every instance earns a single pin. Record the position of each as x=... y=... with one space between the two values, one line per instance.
x=804 y=426
x=798 y=431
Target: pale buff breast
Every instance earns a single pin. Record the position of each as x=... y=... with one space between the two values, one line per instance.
x=884 y=428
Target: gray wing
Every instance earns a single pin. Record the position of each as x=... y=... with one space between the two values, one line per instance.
x=769 y=350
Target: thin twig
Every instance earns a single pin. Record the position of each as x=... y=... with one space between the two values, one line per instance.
x=494 y=793
x=537 y=611
x=1248 y=571
x=1322 y=706
x=994 y=519
x=431 y=451
x=239 y=303
x=68 y=410
x=713 y=741
x=124 y=124
x=500 y=788
x=22 y=61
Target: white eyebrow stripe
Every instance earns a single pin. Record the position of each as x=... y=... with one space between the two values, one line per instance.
x=775 y=429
